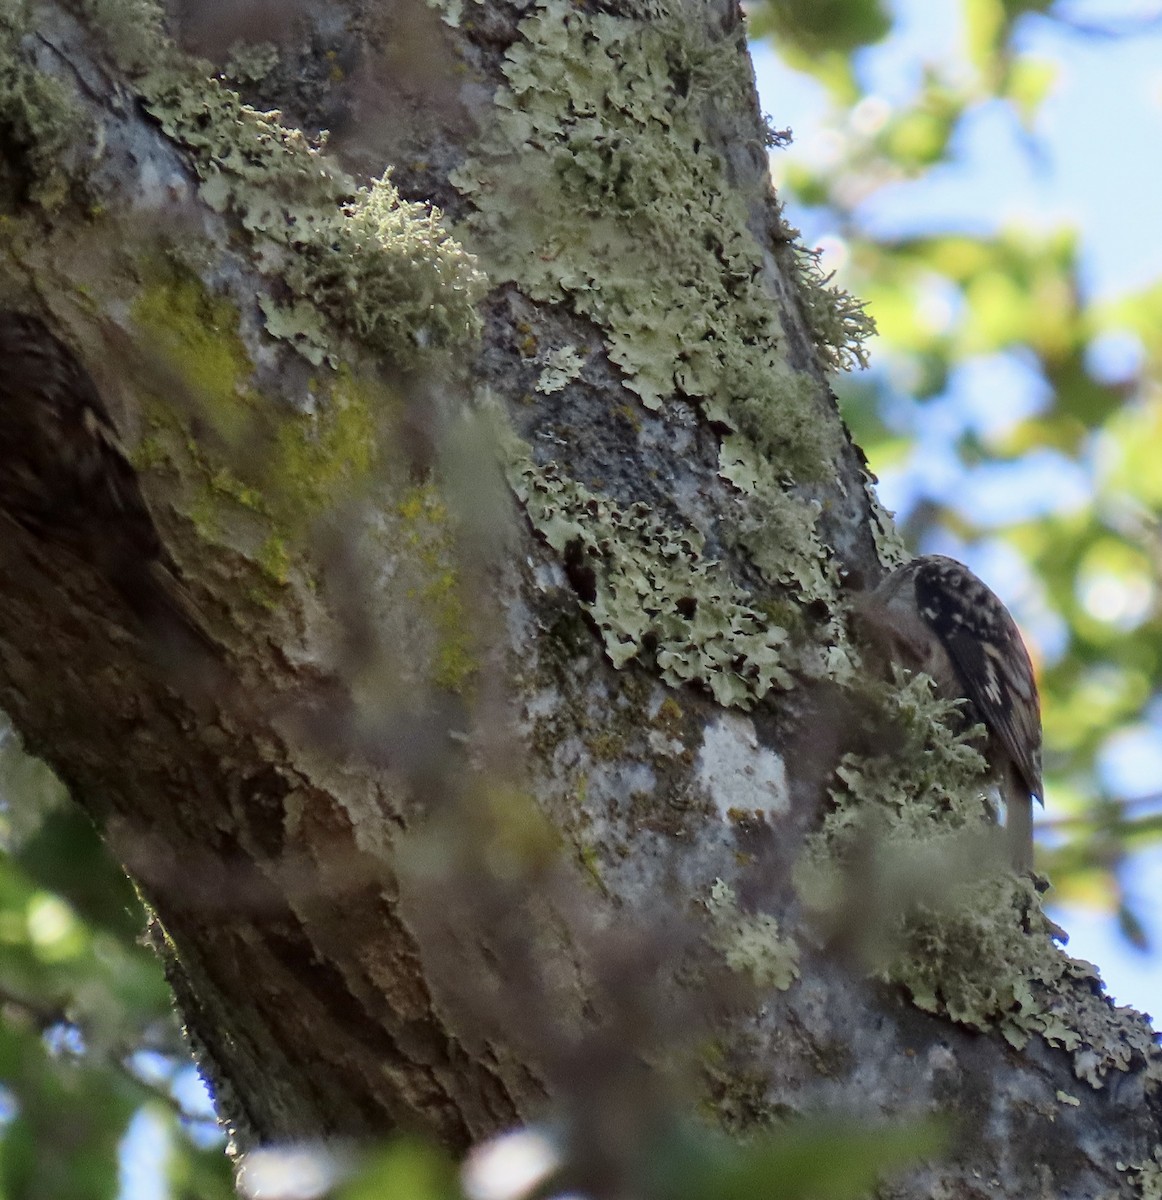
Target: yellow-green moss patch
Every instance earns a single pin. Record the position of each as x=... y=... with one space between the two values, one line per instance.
x=195 y=334
x=430 y=545
x=284 y=469
x=323 y=458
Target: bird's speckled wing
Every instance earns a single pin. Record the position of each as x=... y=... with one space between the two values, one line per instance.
x=991 y=661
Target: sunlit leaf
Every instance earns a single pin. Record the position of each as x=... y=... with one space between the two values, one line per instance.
x=1030 y=80
x=408 y=1169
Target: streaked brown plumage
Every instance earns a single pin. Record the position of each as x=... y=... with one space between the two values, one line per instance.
x=934 y=615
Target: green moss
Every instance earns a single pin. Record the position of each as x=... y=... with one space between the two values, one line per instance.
x=275 y=559
x=430 y=546
x=508 y=831
x=608 y=745
x=40 y=125
x=196 y=334
x=283 y=469
x=590 y=859
x=193 y=338
x=226 y=484
x=323 y=458
x=738 y=1090
x=195 y=349
x=149 y=453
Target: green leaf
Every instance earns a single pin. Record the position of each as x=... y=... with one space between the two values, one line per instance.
x=408 y=1169
x=814 y=26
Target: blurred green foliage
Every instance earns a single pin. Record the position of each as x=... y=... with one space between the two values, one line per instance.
x=811 y=27
x=807 y=1159
x=947 y=301
x=88 y=1038
x=406 y=1169
x=810 y=1160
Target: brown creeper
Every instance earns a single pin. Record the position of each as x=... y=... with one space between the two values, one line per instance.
x=934 y=615
x=65 y=477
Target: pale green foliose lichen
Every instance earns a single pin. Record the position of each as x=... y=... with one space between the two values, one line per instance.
x=383 y=269
x=1146 y=1175
x=561 y=367
x=622 y=207
x=967 y=937
x=653 y=592
x=890 y=548
x=451 y=11
x=777 y=529
x=926 y=769
x=751 y=942
x=38 y=121
x=621 y=204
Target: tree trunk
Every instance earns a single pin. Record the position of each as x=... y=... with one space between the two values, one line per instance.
x=485 y=720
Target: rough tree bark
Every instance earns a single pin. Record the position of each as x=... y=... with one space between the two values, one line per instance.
x=535 y=743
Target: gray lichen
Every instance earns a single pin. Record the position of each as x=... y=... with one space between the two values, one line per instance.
x=965 y=937
x=751 y=942
x=384 y=270
x=598 y=184
x=651 y=591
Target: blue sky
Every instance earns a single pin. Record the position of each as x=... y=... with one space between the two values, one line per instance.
x=1100 y=134
x=1097 y=168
